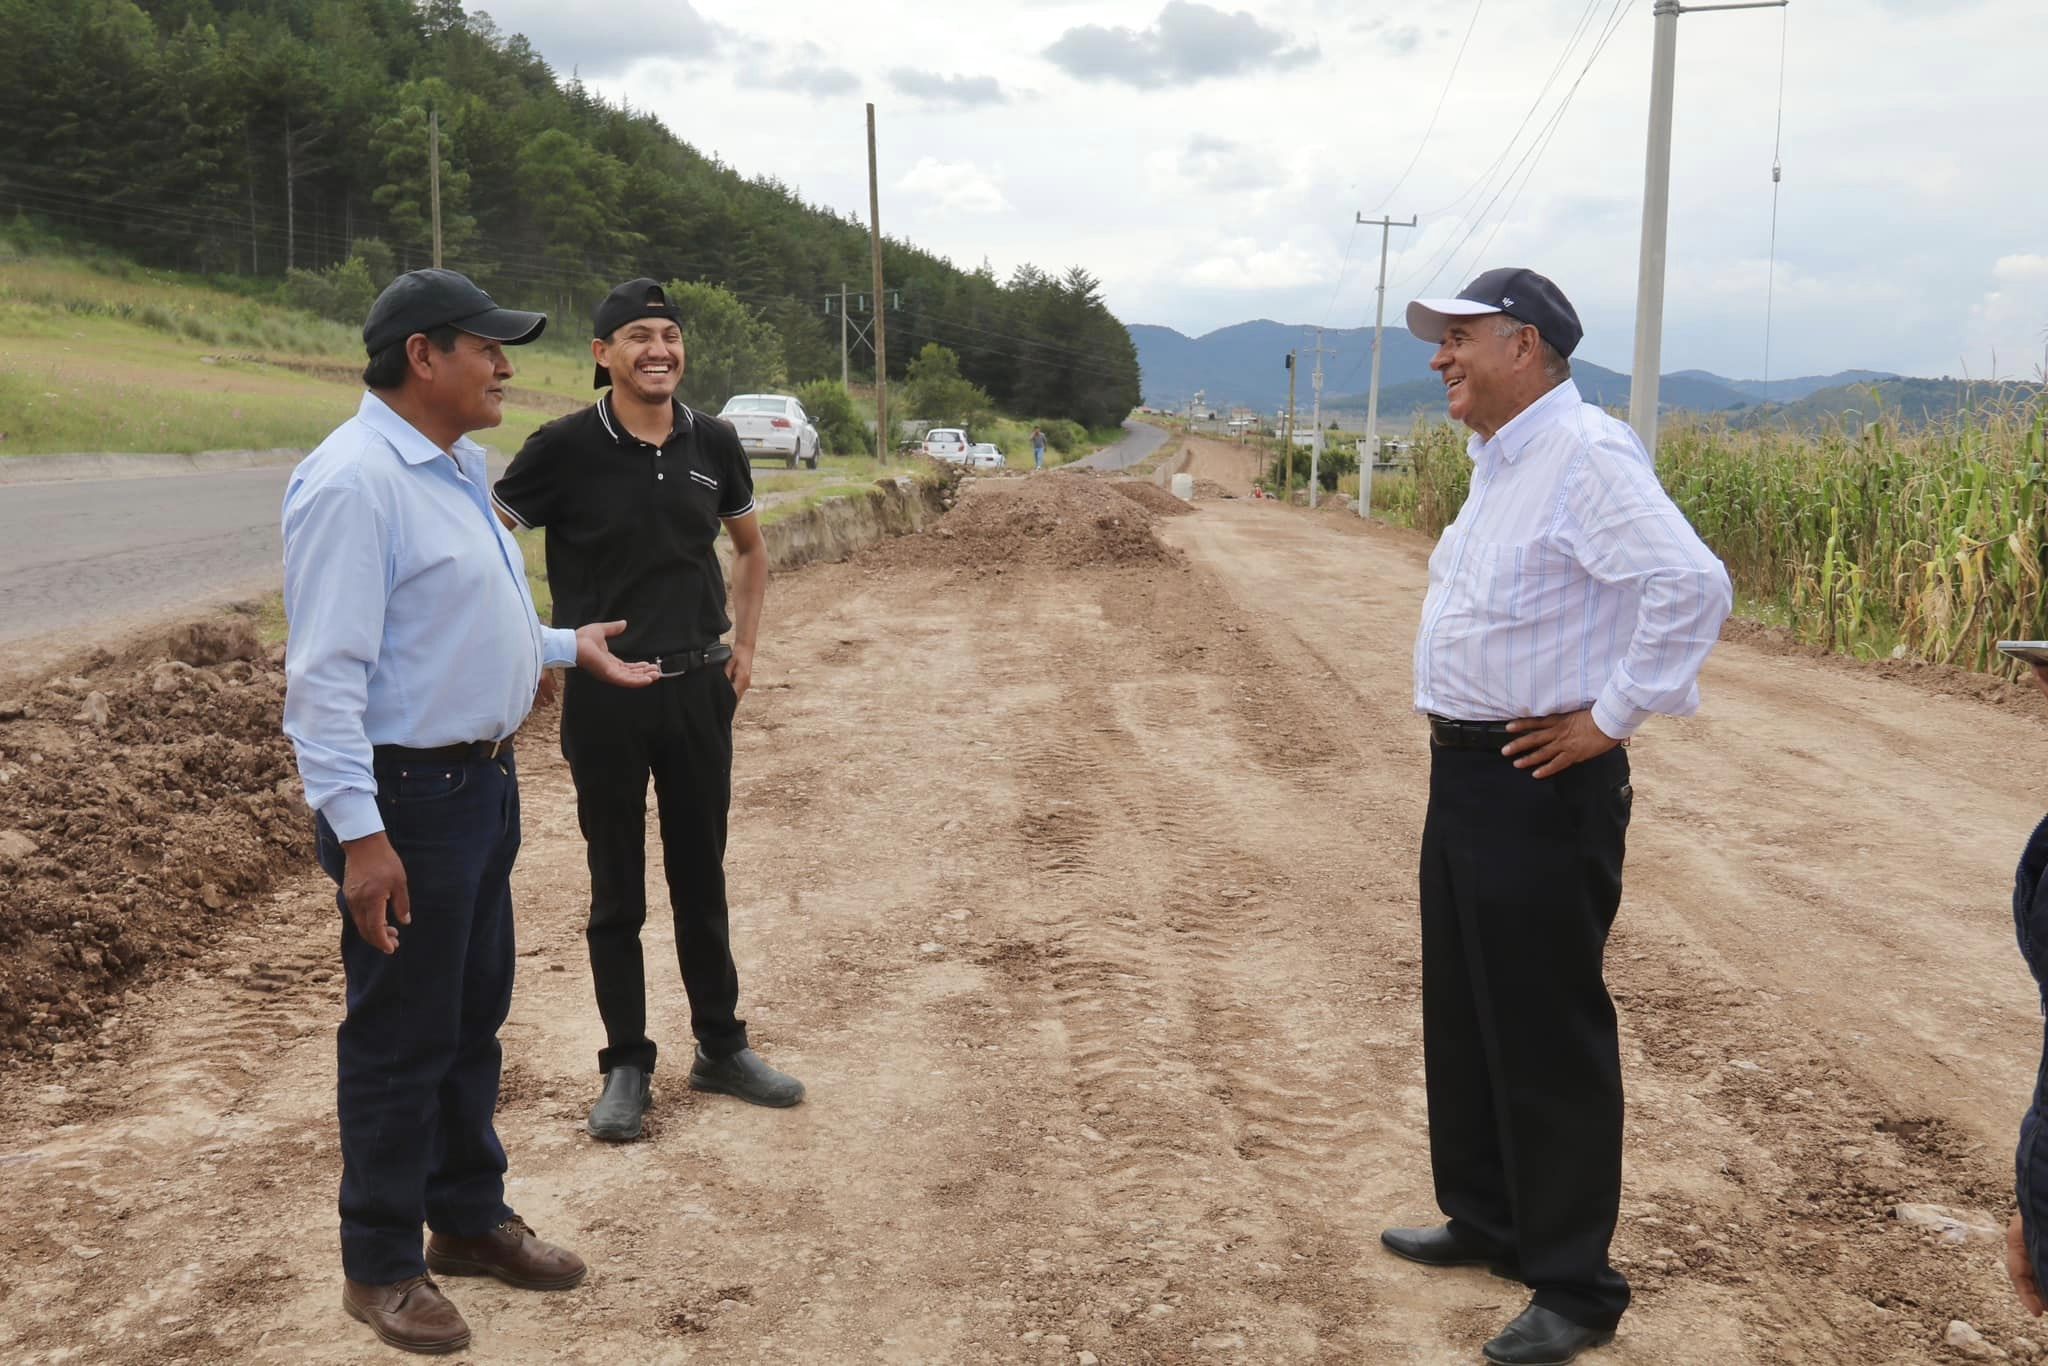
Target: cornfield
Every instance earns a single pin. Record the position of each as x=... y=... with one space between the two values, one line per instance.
x=1924 y=543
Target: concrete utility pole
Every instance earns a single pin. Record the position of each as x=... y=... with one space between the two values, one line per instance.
x=883 y=446
x=1287 y=441
x=1642 y=389
x=434 y=177
x=1370 y=451
x=1315 y=448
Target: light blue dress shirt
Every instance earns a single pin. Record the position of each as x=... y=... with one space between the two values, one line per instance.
x=411 y=622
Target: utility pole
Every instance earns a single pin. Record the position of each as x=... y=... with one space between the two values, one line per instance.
x=1287 y=443
x=1642 y=389
x=1315 y=448
x=845 y=373
x=434 y=177
x=884 y=448
x=1370 y=451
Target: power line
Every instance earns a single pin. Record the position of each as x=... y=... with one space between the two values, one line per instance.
x=1543 y=146
x=1777 y=176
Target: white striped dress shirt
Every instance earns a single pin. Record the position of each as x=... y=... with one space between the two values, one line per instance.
x=1568 y=580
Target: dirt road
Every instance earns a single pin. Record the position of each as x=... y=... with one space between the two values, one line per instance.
x=1077 y=879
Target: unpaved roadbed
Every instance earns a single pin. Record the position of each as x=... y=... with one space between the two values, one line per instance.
x=1082 y=896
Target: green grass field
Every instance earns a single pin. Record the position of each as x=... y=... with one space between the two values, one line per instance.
x=98 y=356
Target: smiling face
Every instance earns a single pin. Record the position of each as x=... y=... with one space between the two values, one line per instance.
x=645 y=359
x=1483 y=365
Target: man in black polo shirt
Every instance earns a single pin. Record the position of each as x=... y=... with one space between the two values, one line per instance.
x=632 y=492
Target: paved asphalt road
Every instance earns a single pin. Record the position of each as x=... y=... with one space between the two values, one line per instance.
x=1140 y=440
x=94 y=552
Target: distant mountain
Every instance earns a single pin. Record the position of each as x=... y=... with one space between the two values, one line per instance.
x=1909 y=402
x=1244 y=364
x=1785 y=390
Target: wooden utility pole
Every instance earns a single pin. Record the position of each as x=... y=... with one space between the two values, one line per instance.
x=1370 y=451
x=434 y=177
x=1287 y=441
x=884 y=447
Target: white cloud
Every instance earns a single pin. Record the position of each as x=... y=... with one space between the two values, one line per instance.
x=957 y=186
x=2009 y=324
x=1243 y=265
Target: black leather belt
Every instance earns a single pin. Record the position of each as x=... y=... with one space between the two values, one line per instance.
x=475 y=751
x=675 y=663
x=1469 y=734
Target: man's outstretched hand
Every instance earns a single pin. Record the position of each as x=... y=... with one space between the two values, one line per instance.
x=594 y=656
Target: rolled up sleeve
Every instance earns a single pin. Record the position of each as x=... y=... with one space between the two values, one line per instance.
x=336 y=549
x=1628 y=533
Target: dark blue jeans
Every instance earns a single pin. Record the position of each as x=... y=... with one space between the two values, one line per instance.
x=418 y=1052
x=2030 y=920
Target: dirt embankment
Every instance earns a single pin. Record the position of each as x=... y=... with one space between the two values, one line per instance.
x=1060 y=521
x=141 y=802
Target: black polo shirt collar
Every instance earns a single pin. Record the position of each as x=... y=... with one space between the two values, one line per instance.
x=685 y=422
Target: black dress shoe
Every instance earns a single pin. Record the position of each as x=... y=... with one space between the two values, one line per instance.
x=1539 y=1337
x=747 y=1075
x=1438 y=1246
x=616 y=1116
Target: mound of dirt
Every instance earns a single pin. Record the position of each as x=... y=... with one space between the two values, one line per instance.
x=1056 y=522
x=1152 y=498
x=137 y=803
x=1210 y=488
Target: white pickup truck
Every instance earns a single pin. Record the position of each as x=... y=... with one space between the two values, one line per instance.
x=773 y=427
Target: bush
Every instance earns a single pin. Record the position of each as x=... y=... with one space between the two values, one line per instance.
x=840 y=428
x=1062 y=435
x=341 y=293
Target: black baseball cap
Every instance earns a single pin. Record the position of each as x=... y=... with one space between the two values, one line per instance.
x=633 y=300
x=421 y=300
x=1522 y=294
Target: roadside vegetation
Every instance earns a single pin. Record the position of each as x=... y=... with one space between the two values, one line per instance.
x=1923 y=544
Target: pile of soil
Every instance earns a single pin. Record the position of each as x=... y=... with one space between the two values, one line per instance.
x=1210 y=488
x=1056 y=522
x=139 y=801
x=1152 y=498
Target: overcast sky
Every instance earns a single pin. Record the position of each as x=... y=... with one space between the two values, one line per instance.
x=1207 y=162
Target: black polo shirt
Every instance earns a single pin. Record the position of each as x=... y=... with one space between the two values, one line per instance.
x=631 y=526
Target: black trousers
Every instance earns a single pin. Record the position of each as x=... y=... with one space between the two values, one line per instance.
x=417 y=1055
x=1521 y=878
x=680 y=731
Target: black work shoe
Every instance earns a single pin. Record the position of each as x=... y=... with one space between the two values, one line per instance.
x=1438 y=1246
x=616 y=1116
x=745 y=1074
x=1539 y=1337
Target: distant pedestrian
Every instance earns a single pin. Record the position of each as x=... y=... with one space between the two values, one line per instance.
x=414 y=655
x=1037 y=448
x=633 y=492
x=1568 y=602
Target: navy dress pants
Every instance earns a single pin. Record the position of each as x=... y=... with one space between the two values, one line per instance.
x=418 y=1051
x=2030 y=919
x=1521 y=879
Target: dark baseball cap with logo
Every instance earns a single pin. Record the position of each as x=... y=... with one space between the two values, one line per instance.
x=630 y=302
x=1522 y=294
x=422 y=300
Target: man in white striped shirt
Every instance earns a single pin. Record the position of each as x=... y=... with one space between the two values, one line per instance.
x=1568 y=602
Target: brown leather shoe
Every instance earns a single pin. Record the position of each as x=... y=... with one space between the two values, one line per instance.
x=510 y=1252
x=412 y=1314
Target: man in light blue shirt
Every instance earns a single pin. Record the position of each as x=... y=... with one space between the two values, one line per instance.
x=414 y=656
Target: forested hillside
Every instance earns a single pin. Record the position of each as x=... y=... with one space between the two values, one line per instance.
x=259 y=137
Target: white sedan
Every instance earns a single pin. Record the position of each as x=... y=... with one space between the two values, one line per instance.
x=983 y=455
x=773 y=427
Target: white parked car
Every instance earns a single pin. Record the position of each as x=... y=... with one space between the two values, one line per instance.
x=773 y=427
x=946 y=443
x=983 y=455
